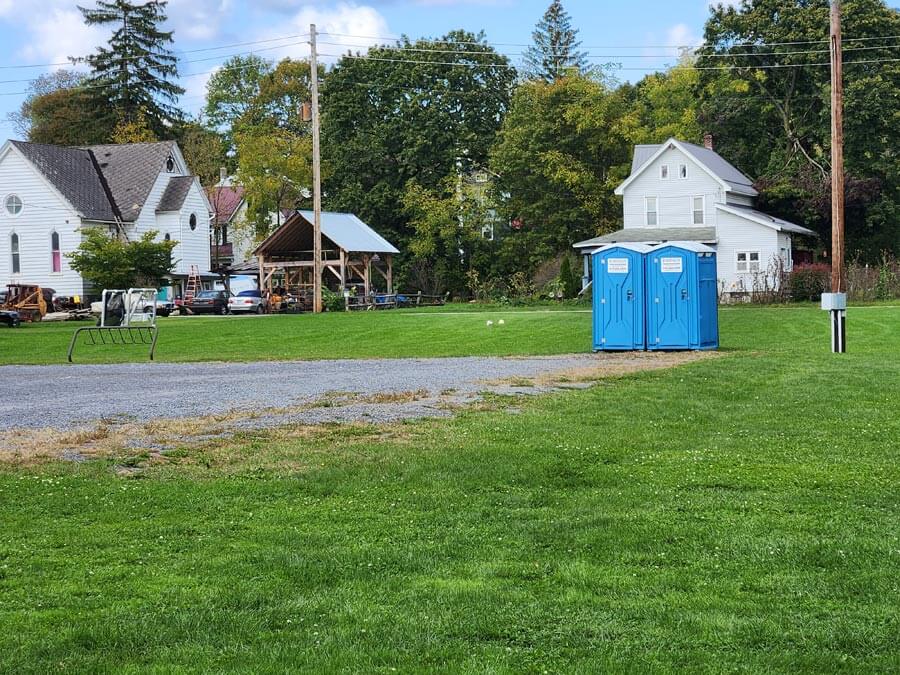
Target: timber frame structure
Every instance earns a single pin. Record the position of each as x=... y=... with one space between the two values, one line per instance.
x=351 y=251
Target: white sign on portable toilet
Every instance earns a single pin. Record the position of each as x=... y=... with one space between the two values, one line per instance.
x=617 y=265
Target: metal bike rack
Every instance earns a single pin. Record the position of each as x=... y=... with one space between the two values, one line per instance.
x=127 y=317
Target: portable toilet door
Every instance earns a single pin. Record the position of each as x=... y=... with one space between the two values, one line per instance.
x=618 y=297
x=682 y=297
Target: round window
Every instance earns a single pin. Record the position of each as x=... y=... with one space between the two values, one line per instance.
x=170 y=164
x=13 y=205
x=193 y=221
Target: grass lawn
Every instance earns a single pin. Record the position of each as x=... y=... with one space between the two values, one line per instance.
x=736 y=514
x=449 y=331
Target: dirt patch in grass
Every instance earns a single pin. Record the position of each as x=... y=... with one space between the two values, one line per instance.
x=253 y=436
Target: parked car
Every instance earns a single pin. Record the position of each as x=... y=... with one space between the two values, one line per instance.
x=215 y=302
x=247 y=301
x=10 y=318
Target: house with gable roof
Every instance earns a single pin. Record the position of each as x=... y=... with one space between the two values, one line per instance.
x=49 y=194
x=679 y=191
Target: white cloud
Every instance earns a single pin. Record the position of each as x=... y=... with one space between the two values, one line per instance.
x=340 y=29
x=682 y=35
x=198 y=19
x=58 y=33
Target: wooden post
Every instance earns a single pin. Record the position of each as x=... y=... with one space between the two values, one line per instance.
x=836 y=301
x=317 y=173
x=837 y=153
x=261 y=259
x=390 y=273
x=366 y=276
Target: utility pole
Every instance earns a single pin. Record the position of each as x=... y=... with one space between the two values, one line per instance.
x=317 y=173
x=836 y=301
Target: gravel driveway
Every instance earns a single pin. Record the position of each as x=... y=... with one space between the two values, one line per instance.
x=65 y=396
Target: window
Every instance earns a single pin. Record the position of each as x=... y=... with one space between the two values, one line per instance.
x=682 y=170
x=747 y=261
x=14 y=205
x=55 y=256
x=168 y=237
x=697 y=204
x=664 y=171
x=786 y=263
x=652 y=218
x=14 y=248
x=170 y=164
x=193 y=221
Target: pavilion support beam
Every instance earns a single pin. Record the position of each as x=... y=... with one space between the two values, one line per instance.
x=367 y=275
x=261 y=259
x=390 y=274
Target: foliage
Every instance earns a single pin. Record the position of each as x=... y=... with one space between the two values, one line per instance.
x=135 y=71
x=133 y=130
x=386 y=123
x=555 y=53
x=110 y=262
x=275 y=168
x=231 y=91
x=569 y=279
x=203 y=150
x=59 y=110
x=333 y=302
x=447 y=235
x=558 y=156
x=664 y=106
x=808 y=282
x=774 y=123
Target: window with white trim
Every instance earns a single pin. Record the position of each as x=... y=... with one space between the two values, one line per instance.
x=55 y=254
x=747 y=261
x=15 y=261
x=14 y=205
x=787 y=264
x=664 y=171
x=682 y=170
x=697 y=209
x=192 y=221
x=652 y=213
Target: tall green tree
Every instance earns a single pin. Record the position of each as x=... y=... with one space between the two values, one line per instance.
x=403 y=114
x=232 y=90
x=664 y=105
x=559 y=156
x=774 y=123
x=60 y=110
x=555 y=53
x=136 y=69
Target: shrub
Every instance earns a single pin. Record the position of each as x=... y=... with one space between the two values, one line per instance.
x=571 y=282
x=332 y=302
x=808 y=282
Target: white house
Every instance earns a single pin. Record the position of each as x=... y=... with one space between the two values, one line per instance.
x=49 y=194
x=679 y=191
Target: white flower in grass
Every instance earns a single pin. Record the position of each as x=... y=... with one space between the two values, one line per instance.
x=490 y=323
x=501 y=322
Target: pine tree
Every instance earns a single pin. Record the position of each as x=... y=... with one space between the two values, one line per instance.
x=555 y=51
x=134 y=72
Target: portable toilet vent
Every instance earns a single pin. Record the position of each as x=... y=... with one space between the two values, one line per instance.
x=618 y=295
x=682 y=297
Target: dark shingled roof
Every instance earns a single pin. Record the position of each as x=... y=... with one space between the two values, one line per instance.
x=130 y=171
x=73 y=173
x=175 y=194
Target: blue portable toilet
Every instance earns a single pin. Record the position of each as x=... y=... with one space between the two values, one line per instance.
x=682 y=297
x=618 y=295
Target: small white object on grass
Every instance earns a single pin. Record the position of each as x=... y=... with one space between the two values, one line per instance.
x=501 y=322
x=490 y=323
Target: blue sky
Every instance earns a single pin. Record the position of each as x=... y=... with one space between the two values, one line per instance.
x=49 y=31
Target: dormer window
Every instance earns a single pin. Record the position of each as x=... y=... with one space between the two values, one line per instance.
x=192 y=221
x=170 y=164
x=682 y=170
x=664 y=171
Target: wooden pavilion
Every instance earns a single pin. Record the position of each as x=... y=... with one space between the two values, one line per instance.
x=351 y=250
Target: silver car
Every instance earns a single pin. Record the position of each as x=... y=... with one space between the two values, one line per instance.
x=247 y=301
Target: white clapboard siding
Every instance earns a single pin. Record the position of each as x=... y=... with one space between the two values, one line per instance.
x=674 y=195
x=193 y=245
x=739 y=234
x=44 y=211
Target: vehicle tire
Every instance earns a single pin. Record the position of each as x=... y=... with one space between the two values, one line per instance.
x=223 y=310
x=259 y=309
x=162 y=312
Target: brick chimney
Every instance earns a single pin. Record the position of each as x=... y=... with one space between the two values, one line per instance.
x=708 y=141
